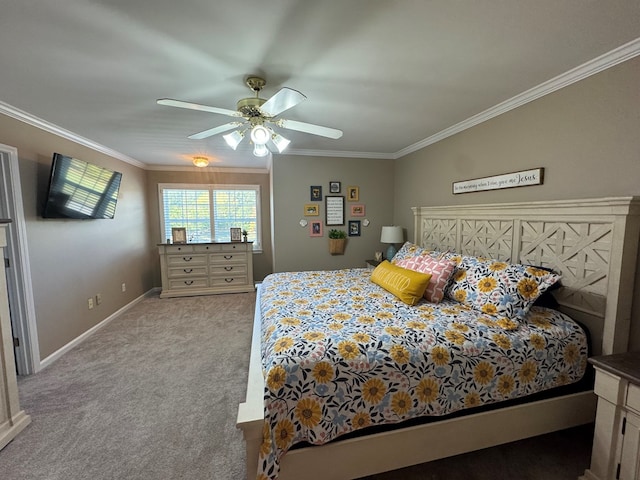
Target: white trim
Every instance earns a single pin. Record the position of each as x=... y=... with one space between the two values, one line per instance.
x=19 y=276
x=180 y=168
x=342 y=154
x=78 y=340
x=34 y=121
x=614 y=57
x=257 y=244
x=597 y=65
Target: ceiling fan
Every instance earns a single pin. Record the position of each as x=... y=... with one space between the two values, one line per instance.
x=258 y=116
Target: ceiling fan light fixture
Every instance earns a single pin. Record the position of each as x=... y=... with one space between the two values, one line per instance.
x=260 y=150
x=200 y=161
x=280 y=142
x=260 y=135
x=233 y=139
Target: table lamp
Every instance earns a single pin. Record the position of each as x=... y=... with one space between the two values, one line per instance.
x=391 y=235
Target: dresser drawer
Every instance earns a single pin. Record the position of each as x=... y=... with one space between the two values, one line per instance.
x=228 y=281
x=188 y=271
x=186 y=260
x=206 y=248
x=227 y=257
x=233 y=247
x=633 y=398
x=228 y=270
x=179 y=249
x=188 y=283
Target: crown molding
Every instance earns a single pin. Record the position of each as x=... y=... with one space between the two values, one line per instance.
x=34 y=121
x=592 y=67
x=181 y=168
x=597 y=65
x=342 y=154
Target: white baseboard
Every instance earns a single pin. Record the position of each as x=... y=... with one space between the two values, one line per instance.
x=78 y=340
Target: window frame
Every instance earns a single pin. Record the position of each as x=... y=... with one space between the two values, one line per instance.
x=211 y=187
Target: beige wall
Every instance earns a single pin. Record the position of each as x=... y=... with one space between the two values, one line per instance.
x=73 y=260
x=292 y=177
x=262 y=264
x=586 y=136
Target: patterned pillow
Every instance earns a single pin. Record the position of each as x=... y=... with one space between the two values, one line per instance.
x=409 y=250
x=497 y=288
x=440 y=271
x=407 y=285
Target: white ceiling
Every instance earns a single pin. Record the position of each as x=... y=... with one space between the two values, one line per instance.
x=394 y=75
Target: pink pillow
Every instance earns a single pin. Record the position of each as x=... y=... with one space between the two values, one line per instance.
x=440 y=270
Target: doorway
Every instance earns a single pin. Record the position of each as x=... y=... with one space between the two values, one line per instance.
x=17 y=267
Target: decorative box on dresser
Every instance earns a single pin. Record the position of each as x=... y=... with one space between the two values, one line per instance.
x=12 y=419
x=206 y=268
x=616 y=441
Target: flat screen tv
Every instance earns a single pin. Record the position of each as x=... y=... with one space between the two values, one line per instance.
x=81 y=190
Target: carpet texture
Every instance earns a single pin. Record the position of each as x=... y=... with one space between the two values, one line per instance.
x=154 y=396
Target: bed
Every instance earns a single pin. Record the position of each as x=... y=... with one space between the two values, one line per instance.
x=593 y=243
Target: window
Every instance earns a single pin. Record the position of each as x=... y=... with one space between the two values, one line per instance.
x=208 y=212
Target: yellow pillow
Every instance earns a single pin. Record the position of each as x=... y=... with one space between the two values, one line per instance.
x=407 y=285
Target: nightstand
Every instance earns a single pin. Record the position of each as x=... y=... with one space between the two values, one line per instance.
x=372 y=263
x=616 y=442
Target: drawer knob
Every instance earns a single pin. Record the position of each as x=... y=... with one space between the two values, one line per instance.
x=228 y=280
x=188 y=282
x=228 y=257
x=187 y=259
x=228 y=269
x=187 y=270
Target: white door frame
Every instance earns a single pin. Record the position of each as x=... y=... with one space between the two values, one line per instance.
x=23 y=318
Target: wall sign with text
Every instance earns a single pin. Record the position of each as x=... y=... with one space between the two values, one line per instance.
x=507 y=180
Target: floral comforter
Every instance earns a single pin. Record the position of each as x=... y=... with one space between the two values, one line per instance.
x=340 y=353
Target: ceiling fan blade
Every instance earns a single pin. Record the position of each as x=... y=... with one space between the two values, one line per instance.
x=282 y=100
x=214 y=131
x=196 y=106
x=310 y=128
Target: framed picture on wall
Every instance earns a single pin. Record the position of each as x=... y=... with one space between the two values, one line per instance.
x=315 y=228
x=353 y=194
x=354 y=228
x=334 y=210
x=311 y=210
x=316 y=193
x=357 y=210
x=334 y=187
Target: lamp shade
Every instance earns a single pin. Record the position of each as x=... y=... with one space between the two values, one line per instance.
x=233 y=139
x=260 y=150
x=260 y=135
x=392 y=234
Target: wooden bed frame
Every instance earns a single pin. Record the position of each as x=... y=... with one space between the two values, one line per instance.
x=593 y=243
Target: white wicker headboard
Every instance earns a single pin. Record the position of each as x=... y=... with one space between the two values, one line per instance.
x=593 y=243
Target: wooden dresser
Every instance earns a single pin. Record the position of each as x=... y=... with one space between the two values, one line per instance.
x=616 y=442
x=206 y=268
x=12 y=418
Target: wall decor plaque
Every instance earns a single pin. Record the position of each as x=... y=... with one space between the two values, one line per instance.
x=334 y=209
x=508 y=180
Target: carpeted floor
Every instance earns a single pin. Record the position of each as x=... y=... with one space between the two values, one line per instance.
x=154 y=396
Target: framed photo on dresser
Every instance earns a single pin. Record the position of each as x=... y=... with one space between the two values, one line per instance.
x=179 y=235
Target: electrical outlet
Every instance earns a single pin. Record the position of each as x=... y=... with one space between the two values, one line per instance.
x=98 y=298
x=90 y=302
x=124 y=287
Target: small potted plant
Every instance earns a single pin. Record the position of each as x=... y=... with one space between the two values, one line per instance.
x=245 y=234
x=337 y=241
